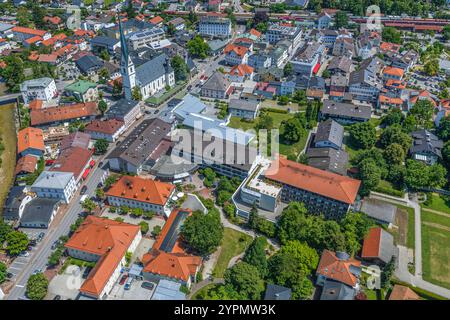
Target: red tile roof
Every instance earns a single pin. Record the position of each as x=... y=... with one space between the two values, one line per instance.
x=35 y=32
x=73 y=159
x=314 y=180
x=403 y=293
x=49 y=58
x=33 y=39
x=332 y=267
x=393 y=71
x=144 y=190
x=371 y=246
x=26 y=164
x=390 y=100
x=30 y=138
x=62 y=113
x=36 y=104
x=107 y=127
x=106 y=238
x=241 y=70
x=53 y=20
x=255 y=32
x=156 y=20
x=389 y=46
x=239 y=50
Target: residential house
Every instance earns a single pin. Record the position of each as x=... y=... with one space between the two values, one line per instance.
x=15 y=203
x=240 y=73
x=328 y=159
x=25 y=165
x=235 y=55
x=365 y=83
x=426 y=147
x=323 y=21
x=308 y=59
x=75 y=160
x=110 y=129
x=400 y=292
x=105 y=242
x=103 y=43
x=141 y=39
x=340 y=65
x=392 y=73
x=82 y=91
x=30 y=141
x=89 y=64
x=259 y=61
x=284 y=31
x=329 y=134
x=39 y=213
x=55 y=185
x=76 y=139
x=276 y=292
x=338 y=266
x=43 y=89
x=378 y=246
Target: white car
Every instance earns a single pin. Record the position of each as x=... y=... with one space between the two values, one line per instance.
x=83 y=197
x=24 y=254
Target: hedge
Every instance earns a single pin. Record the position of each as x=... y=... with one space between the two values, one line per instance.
x=390 y=191
x=275 y=110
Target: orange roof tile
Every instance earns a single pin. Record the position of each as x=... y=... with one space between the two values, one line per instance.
x=403 y=293
x=53 y=20
x=108 y=126
x=26 y=164
x=34 y=56
x=156 y=20
x=144 y=190
x=33 y=39
x=106 y=238
x=61 y=113
x=424 y=94
x=30 y=138
x=239 y=50
x=371 y=245
x=389 y=100
x=332 y=267
x=36 y=104
x=393 y=71
x=389 y=46
x=314 y=180
x=255 y=32
x=177 y=248
x=399 y=84
x=49 y=58
x=35 y=32
x=241 y=70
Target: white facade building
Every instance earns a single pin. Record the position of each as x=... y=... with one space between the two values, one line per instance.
x=42 y=89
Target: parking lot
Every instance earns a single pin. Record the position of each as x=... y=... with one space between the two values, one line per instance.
x=136 y=292
x=21 y=261
x=66 y=285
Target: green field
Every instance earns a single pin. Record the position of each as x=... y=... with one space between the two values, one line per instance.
x=8 y=156
x=410 y=239
x=233 y=244
x=438 y=204
x=428 y=216
x=436 y=255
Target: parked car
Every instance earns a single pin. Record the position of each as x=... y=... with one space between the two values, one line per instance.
x=83 y=190
x=123 y=279
x=24 y=254
x=147 y=285
x=128 y=283
x=37 y=271
x=100 y=185
x=55 y=244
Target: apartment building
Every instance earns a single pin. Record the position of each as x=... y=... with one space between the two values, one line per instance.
x=43 y=89
x=214 y=26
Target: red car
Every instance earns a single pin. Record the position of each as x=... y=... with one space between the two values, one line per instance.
x=123 y=279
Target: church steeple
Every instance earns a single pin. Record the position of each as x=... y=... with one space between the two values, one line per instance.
x=126 y=66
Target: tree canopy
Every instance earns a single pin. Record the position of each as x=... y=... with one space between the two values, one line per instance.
x=37 y=286
x=363 y=135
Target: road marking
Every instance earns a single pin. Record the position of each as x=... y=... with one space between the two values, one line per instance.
x=15 y=268
x=20 y=286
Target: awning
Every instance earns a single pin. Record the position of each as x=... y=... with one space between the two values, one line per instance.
x=86 y=172
x=316 y=68
x=92 y=163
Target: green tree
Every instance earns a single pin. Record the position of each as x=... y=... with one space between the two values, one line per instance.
x=101 y=146
x=341 y=20
x=394 y=154
x=156 y=231
x=422 y=111
x=446 y=154
x=363 y=135
x=419 y=175
x=203 y=232
x=197 y=47
x=443 y=130
x=5 y=229
x=37 y=286
x=409 y=124
x=395 y=135
x=246 y=280
x=102 y=106
x=256 y=255
x=144 y=227
x=3 y=272
x=180 y=68
x=291 y=130
x=88 y=205
x=431 y=67
x=369 y=174
x=104 y=55
x=288 y=69
x=137 y=212
x=136 y=94
x=391 y=34
x=16 y=242
x=394 y=116
x=99 y=193
x=299 y=96
x=283 y=100
x=264 y=121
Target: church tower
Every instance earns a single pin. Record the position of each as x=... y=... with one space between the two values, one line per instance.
x=126 y=67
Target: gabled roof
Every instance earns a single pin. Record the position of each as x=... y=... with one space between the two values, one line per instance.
x=61 y=113
x=30 y=138
x=53 y=179
x=403 y=293
x=330 y=130
x=217 y=82
x=314 y=180
x=339 y=267
x=378 y=244
x=26 y=164
x=110 y=126
x=241 y=70
x=156 y=20
x=73 y=160
x=238 y=50
x=393 y=71
x=106 y=238
x=144 y=190
x=35 y=32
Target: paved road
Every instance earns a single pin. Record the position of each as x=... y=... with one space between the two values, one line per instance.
x=40 y=257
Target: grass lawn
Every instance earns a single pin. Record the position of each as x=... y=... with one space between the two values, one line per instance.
x=410 y=229
x=285 y=149
x=268 y=103
x=352 y=152
x=371 y=294
x=233 y=244
x=438 y=204
x=436 y=255
x=428 y=216
x=9 y=139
